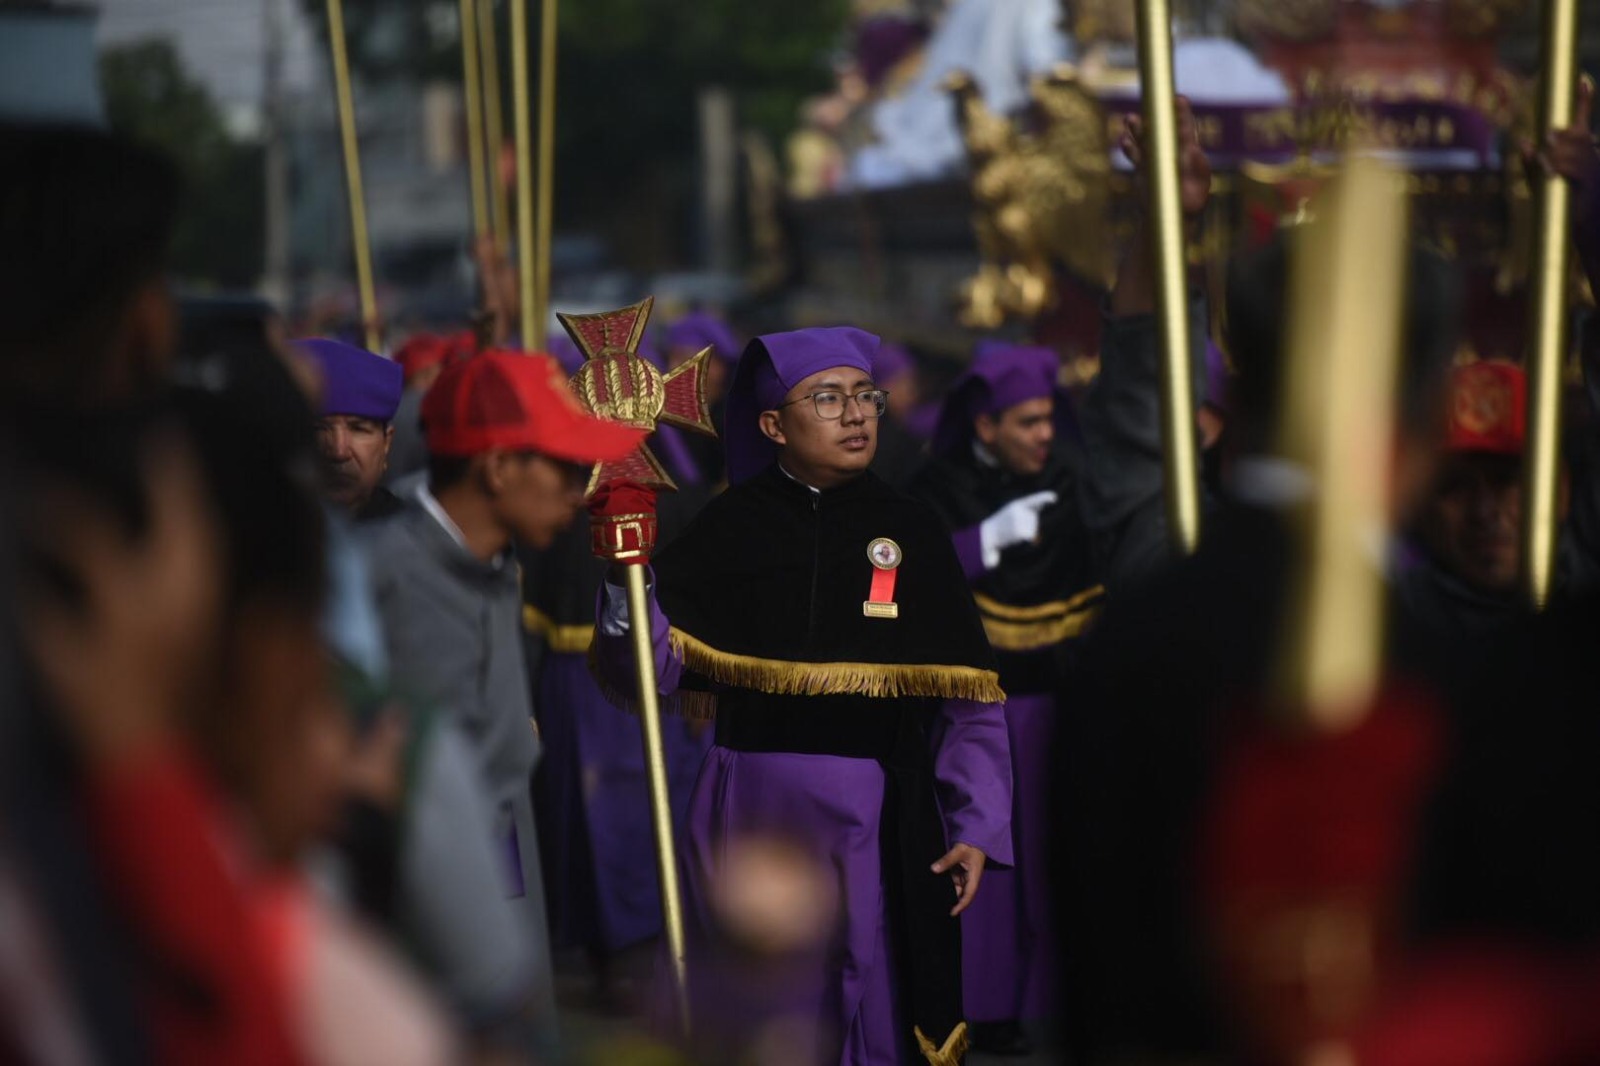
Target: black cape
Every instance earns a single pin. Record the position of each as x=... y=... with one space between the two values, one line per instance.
x=1039 y=596
x=765 y=593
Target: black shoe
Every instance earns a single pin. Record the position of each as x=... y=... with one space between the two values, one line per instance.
x=1001 y=1038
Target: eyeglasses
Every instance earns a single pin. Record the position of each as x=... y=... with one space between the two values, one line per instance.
x=830 y=403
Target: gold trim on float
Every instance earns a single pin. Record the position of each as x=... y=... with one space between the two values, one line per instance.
x=1040 y=626
x=561 y=639
x=951 y=1054
x=787 y=678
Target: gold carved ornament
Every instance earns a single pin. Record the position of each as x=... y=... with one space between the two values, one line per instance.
x=1288 y=20
x=1041 y=197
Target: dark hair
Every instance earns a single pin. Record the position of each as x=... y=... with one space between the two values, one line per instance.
x=252 y=430
x=445 y=471
x=86 y=218
x=1257 y=320
x=211 y=324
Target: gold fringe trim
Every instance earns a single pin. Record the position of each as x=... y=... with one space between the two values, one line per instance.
x=1041 y=626
x=563 y=640
x=782 y=677
x=684 y=703
x=955 y=1047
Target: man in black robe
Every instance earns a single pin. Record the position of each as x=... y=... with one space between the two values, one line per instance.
x=823 y=618
x=1006 y=489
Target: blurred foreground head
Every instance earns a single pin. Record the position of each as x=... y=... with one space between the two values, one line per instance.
x=1258 y=314
x=268 y=719
x=85 y=222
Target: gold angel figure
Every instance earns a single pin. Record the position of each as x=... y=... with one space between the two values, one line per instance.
x=1042 y=190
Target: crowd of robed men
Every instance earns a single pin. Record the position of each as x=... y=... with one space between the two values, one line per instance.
x=318 y=742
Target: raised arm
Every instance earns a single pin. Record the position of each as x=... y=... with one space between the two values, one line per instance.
x=1120 y=494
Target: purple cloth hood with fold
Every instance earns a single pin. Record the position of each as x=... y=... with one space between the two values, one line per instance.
x=1001 y=376
x=770 y=367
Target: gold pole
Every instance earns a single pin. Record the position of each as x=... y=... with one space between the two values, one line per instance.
x=472 y=84
x=547 y=137
x=352 y=175
x=495 y=130
x=532 y=337
x=660 y=801
x=1348 y=278
x=1166 y=233
x=1547 y=343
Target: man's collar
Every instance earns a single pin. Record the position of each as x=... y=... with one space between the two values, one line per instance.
x=785 y=472
x=431 y=504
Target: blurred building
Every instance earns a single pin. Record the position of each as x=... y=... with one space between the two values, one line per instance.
x=265 y=63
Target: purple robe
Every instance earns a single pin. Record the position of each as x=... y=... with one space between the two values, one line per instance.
x=834 y=805
x=593 y=801
x=1008 y=934
x=1008 y=956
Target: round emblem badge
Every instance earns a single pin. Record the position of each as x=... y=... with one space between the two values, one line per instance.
x=884 y=553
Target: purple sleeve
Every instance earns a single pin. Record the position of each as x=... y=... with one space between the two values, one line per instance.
x=614 y=652
x=972 y=767
x=969 y=550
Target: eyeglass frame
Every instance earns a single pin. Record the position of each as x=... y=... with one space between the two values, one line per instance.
x=848 y=396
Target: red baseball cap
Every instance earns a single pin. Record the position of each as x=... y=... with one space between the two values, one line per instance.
x=517 y=401
x=1488 y=408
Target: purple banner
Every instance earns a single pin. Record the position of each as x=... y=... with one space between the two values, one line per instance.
x=1233 y=132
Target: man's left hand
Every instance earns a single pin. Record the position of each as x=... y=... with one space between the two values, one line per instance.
x=1570 y=152
x=965 y=864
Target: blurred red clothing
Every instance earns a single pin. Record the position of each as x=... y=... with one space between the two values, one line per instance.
x=216 y=957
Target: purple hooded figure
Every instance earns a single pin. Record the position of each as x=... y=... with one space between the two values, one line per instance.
x=565 y=352
x=354 y=380
x=360 y=394
x=901 y=452
x=1003 y=485
x=698 y=330
x=821 y=618
x=684 y=339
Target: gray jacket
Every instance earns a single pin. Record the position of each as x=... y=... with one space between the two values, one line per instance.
x=453 y=624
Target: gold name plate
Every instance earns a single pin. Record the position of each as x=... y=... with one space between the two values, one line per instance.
x=873 y=609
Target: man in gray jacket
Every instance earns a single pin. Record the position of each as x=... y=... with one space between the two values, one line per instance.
x=510 y=454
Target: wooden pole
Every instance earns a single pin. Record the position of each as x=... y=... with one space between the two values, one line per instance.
x=532 y=330
x=352 y=176
x=1344 y=330
x=1165 y=211
x=660 y=798
x=1547 y=342
x=472 y=99
x=494 y=123
x=547 y=151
